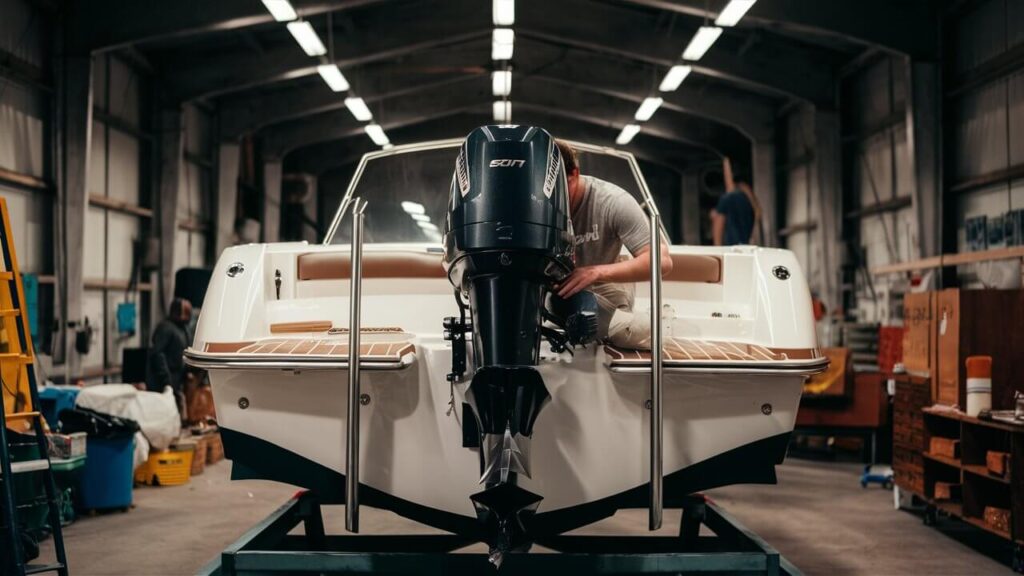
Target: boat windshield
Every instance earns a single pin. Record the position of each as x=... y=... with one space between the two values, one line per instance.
x=406 y=189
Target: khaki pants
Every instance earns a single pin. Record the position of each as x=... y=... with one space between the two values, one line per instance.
x=617 y=322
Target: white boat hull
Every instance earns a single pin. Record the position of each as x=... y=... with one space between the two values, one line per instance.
x=590 y=443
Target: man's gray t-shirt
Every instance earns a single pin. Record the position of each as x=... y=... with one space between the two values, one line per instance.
x=607 y=219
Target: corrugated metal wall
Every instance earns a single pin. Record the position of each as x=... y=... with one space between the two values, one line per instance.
x=878 y=175
x=985 y=112
x=120 y=141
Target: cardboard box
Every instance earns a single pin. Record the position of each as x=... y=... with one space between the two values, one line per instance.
x=919 y=334
x=948 y=447
x=998 y=518
x=997 y=463
x=948 y=491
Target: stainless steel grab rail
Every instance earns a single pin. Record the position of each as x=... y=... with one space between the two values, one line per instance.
x=354 y=330
x=655 y=511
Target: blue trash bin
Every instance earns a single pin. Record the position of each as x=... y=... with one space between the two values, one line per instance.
x=106 y=480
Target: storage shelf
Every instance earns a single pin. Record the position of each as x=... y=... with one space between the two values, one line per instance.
x=982 y=471
x=985 y=526
x=942 y=459
x=119 y=206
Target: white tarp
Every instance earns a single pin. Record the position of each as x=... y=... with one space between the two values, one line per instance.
x=157 y=414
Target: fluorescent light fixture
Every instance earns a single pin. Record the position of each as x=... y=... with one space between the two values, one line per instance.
x=281 y=10
x=333 y=76
x=501 y=82
x=502 y=44
x=413 y=207
x=428 y=226
x=358 y=109
x=420 y=217
x=502 y=111
x=733 y=12
x=628 y=131
x=701 y=42
x=306 y=36
x=376 y=133
x=647 y=108
x=504 y=12
x=674 y=78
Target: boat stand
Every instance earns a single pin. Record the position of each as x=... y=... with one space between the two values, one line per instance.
x=270 y=548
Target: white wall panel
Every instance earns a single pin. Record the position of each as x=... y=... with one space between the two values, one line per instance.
x=124 y=167
x=980 y=132
x=122 y=232
x=22 y=133
x=94 y=252
x=873 y=173
x=98 y=160
x=28 y=212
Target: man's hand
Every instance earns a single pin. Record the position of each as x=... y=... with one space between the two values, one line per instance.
x=580 y=279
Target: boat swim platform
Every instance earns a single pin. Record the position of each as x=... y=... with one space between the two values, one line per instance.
x=271 y=548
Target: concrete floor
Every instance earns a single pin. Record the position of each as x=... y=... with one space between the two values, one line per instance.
x=818 y=517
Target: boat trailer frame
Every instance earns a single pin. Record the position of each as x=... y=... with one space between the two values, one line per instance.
x=270 y=548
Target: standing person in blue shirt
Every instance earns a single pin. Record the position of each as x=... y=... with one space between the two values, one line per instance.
x=737 y=212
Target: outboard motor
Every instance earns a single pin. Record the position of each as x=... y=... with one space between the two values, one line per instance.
x=507 y=237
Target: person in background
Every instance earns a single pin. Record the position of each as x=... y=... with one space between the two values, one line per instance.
x=166 y=365
x=737 y=212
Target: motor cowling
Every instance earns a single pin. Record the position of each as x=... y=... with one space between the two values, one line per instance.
x=507 y=237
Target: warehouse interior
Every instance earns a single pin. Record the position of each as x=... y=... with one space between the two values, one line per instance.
x=151 y=153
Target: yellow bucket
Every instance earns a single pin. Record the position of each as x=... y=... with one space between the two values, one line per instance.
x=166 y=468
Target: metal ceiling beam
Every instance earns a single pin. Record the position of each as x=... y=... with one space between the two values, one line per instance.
x=250 y=110
x=237 y=72
x=767 y=62
x=320 y=158
x=775 y=68
x=596 y=107
x=751 y=115
x=109 y=24
x=908 y=27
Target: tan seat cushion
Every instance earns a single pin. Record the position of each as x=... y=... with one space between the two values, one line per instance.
x=336 y=266
x=695 y=268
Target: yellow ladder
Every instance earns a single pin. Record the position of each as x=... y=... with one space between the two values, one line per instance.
x=20 y=414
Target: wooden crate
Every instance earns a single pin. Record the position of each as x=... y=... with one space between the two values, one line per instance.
x=215 y=448
x=979 y=322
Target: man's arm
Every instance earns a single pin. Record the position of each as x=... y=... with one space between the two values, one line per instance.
x=730 y=184
x=636 y=269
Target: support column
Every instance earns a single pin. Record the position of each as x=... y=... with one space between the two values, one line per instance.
x=763 y=160
x=828 y=194
x=271 y=200
x=75 y=139
x=227 y=194
x=689 y=207
x=171 y=155
x=924 y=143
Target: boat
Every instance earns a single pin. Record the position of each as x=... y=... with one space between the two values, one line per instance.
x=469 y=407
